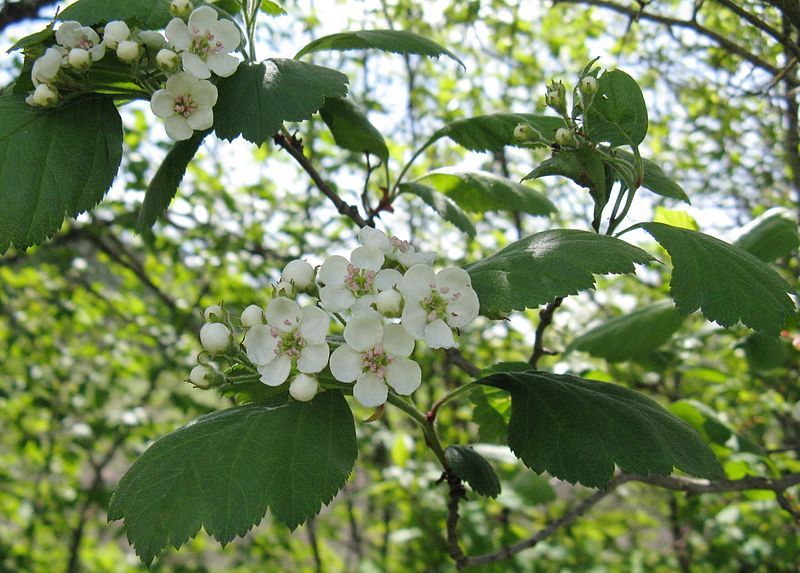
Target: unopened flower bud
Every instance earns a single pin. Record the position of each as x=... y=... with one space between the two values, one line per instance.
x=299 y=273
x=43 y=96
x=588 y=86
x=116 y=32
x=214 y=313
x=79 y=59
x=564 y=136
x=180 y=8
x=199 y=375
x=526 y=133
x=252 y=316
x=151 y=39
x=215 y=337
x=556 y=97
x=128 y=51
x=168 y=60
x=283 y=288
x=303 y=388
x=388 y=302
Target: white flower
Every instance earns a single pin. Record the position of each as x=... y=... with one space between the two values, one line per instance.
x=299 y=273
x=72 y=35
x=376 y=356
x=185 y=105
x=115 y=32
x=292 y=337
x=128 y=51
x=354 y=284
x=252 y=316
x=205 y=42
x=394 y=248
x=213 y=313
x=168 y=60
x=46 y=68
x=303 y=388
x=215 y=337
x=43 y=96
x=435 y=303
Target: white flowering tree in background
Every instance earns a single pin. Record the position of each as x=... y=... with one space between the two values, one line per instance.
x=367 y=331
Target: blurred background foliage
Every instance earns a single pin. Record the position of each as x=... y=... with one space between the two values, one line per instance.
x=98 y=326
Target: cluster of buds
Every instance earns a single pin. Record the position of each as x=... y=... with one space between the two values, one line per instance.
x=387 y=296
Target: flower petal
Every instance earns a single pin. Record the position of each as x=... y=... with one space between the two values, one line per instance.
x=223 y=65
x=463 y=310
x=404 y=376
x=414 y=319
x=387 y=278
x=195 y=66
x=182 y=84
x=283 y=314
x=314 y=324
x=204 y=93
x=346 y=364
x=370 y=390
x=162 y=103
x=363 y=333
x=363 y=306
x=178 y=128
x=416 y=283
x=260 y=344
x=202 y=118
x=336 y=298
x=371 y=237
x=454 y=278
x=397 y=341
x=313 y=358
x=333 y=270
x=226 y=32
x=439 y=335
x=276 y=372
x=370 y=258
x=178 y=34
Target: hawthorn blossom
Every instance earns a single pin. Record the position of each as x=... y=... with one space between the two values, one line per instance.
x=46 y=68
x=437 y=303
x=43 y=96
x=298 y=273
x=205 y=42
x=215 y=337
x=292 y=338
x=375 y=356
x=393 y=248
x=355 y=284
x=185 y=105
x=115 y=32
x=72 y=35
x=303 y=388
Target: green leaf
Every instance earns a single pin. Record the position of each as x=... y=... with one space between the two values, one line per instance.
x=443 y=206
x=258 y=98
x=707 y=423
x=655 y=179
x=771 y=236
x=577 y=430
x=54 y=163
x=675 y=218
x=543 y=266
x=618 y=114
x=224 y=470
x=33 y=39
x=272 y=8
x=146 y=14
x=395 y=41
x=166 y=180
x=351 y=128
x=478 y=192
x=527 y=489
x=633 y=335
x=490 y=413
x=473 y=468
x=726 y=283
x=495 y=131
x=764 y=352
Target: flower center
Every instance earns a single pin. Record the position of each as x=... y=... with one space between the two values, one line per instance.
x=185 y=106
x=359 y=281
x=435 y=304
x=376 y=361
x=204 y=44
x=289 y=343
x=85 y=44
x=400 y=245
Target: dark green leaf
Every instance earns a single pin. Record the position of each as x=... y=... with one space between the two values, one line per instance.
x=495 y=131
x=618 y=113
x=478 y=192
x=351 y=128
x=655 y=179
x=490 y=412
x=33 y=39
x=631 y=336
x=707 y=423
x=146 y=14
x=471 y=467
x=396 y=41
x=764 y=352
x=443 y=206
x=166 y=180
x=258 y=98
x=577 y=430
x=726 y=283
x=543 y=266
x=54 y=163
x=771 y=236
x=223 y=471
x=527 y=489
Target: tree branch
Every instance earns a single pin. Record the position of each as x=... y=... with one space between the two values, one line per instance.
x=781 y=37
x=545 y=320
x=13 y=12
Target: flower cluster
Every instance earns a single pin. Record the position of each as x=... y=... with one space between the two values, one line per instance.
x=175 y=69
x=387 y=296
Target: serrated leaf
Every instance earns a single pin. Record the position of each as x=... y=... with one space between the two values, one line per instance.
x=352 y=129
x=726 y=283
x=473 y=468
x=618 y=114
x=707 y=423
x=54 y=163
x=578 y=430
x=495 y=131
x=771 y=236
x=443 y=206
x=479 y=192
x=395 y=41
x=223 y=471
x=146 y=14
x=272 y=8
x=632 y=335
x=764 y=352
x=33 y=39
x=165 y=182
x=675 y=218
x=490 y=412
x=655 y=179
x=543 y=266
x=258 y=98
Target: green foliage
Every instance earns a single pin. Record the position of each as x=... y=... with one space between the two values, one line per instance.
x=351 y=128
x=655 y=179
x=543 y=266
x=708 y=424
x=618 y=114
x=54 y=164
x=256 y=100
x=726 y=283
x=396 y=41
x=577 y=430
x=473 y=468
x=223 y=471
x=771 y=236
x=490 y=411
x=147 y=14
x=272 y=8
x=33 y=39
x=633 y=335
x=495 y=131
x=443 y=206
x=764 y=352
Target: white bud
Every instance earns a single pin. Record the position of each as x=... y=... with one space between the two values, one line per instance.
x=128 y=51
x=43 y=96
x=252 y=316
x=115 y=32
x=564 y=136
x=181 y=8
x=303 y=388
x=79 y=59
x=214 y=313
x=215 y=337
x=388 y=302
x=284 y=288
x=151 y=39
x=299 y=273
x=525 y=133
x=588 y=85
x=168 y=60
x=199 y=375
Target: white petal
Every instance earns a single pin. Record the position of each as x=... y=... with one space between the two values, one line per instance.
x=178 y=128
x=260 y=344
x=202 y=118
x=439 y=335
x=178 y=34
x=162 y=103
x=303 y=388
x=397 y=341
x=387 y=278
x=283 y=314
x=223 y=65
x=367 y=258
x=98 y=52
x=298 y=272
x=226 y=32
x=414 y=320
x=412 y=258
x=404 y=376
x=346 y=364
x=183 y=83
x=204 y=93
x=313 y=358
x=252 y=315
x=336 y=298
x=453 y=277
x=333 y=270
x=370 y=390
x=463 y=310
x=363 y=306
x=314 y=324
x=202 y=18
x=195 y=66
x=67 y=33
x=363 y=333
x=276 y=372
x=371 y=237
x=416 y=283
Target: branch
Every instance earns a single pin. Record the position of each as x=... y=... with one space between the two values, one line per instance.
x=456 y=492
x=545 y=320
x=692 y=485
x=13 y=12
x=782 y=38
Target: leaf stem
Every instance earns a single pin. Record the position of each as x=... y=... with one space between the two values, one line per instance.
x=428 y=429
x=431 y=415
